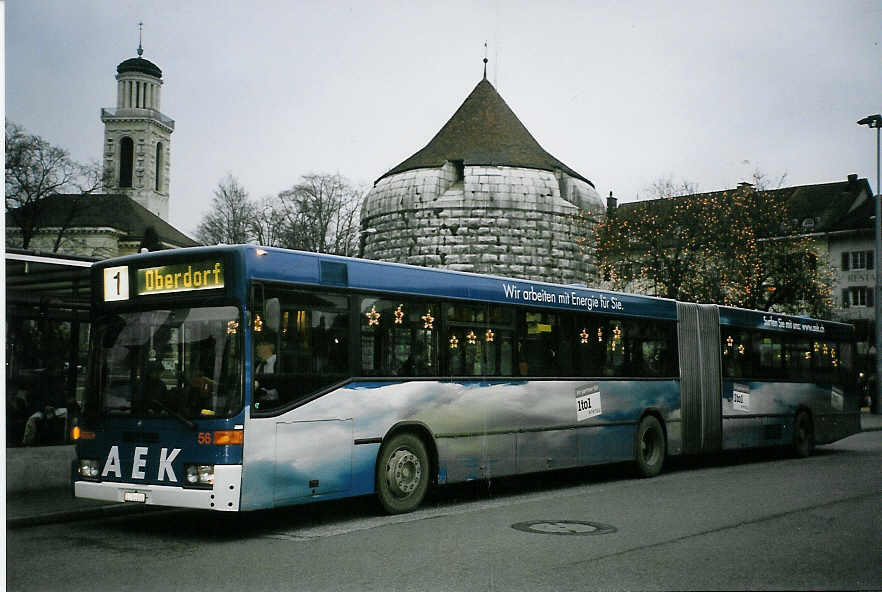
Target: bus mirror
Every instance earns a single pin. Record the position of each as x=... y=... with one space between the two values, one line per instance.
x=271 y=309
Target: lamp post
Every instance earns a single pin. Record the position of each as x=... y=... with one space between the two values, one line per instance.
x=875 y=121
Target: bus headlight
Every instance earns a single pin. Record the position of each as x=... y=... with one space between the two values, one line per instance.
x=199 y=475
x=88 y=468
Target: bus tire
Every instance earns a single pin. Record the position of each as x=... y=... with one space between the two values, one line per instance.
x=649 y=447
x=402 y=473
x=803 y=435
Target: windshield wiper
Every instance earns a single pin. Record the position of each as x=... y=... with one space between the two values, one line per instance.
x=172 y=412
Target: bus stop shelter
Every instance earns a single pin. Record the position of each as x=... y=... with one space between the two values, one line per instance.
x=47 y=339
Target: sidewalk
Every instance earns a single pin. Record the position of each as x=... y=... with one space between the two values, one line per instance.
x=59 y=505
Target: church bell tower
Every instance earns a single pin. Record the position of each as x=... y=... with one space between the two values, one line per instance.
x=137 y=137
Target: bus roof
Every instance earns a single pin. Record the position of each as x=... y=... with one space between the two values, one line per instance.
x=300 y=267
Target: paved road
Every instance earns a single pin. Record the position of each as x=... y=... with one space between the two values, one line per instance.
x=752 y=522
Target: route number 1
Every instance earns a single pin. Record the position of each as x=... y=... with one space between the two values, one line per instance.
x=116 y=283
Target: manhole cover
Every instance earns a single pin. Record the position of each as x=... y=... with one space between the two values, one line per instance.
x=565 y=527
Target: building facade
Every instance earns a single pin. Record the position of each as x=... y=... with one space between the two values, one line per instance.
x=483 y=196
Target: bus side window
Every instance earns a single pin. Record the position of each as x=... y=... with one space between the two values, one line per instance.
x=737 y=351
x=311 y=347
x=398 y=337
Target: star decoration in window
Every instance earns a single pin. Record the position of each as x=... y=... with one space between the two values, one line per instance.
x=232 y=327
x=428 y=319
x=741 y=349
x=258 y=323
x=473 y=339
x=454 y=342
x=399 y=315
x=373 y=317
x=488 y=337
x=583 y=336
x=600 y=335
x=729 y=341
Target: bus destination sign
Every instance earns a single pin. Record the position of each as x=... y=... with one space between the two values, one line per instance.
x=182 y=277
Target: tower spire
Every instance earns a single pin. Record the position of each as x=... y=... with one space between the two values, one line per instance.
x=140 y=49
x=485 y=60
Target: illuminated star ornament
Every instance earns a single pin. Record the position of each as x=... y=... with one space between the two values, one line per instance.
x=399 y=315
x=232 y=327
x=583 y=336
x=473 y=339
x=428 y=319
x=258 y=323
x=373 y=317
x=454 y=342
x=488 y=337
x=729 y=341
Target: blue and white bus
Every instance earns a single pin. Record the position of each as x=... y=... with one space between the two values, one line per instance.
x=240 y=378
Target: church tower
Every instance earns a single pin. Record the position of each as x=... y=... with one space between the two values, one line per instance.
x=137 y=137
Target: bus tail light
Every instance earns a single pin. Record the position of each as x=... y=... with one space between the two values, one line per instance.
x=77 y=433
x=222 y=437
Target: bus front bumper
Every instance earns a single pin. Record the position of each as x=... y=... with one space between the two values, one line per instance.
x=224 y=495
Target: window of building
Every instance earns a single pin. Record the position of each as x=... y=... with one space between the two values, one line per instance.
x=856 y=260
x=158 y=165
x=857 y=296
x=126 y=161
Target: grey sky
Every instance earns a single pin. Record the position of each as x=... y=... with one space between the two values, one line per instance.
x=622 y=92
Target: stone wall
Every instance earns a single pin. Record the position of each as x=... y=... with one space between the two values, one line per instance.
x=497 y=220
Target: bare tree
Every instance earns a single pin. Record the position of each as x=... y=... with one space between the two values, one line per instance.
x=37 y=171
x=321 y=214
x=268 y=222
x=230 y=219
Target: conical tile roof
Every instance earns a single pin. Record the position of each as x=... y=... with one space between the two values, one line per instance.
x=484 y=131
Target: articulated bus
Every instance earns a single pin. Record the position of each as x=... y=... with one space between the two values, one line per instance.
x=242 y=378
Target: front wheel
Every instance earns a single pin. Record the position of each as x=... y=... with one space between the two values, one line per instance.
x=803 y=435
x=402 y=474
x=649 y=447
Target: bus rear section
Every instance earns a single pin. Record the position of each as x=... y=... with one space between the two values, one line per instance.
x=164 y=422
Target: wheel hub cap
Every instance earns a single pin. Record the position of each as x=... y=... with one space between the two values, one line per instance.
x=403 y=472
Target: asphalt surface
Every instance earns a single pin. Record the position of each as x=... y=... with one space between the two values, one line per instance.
x=755 y=521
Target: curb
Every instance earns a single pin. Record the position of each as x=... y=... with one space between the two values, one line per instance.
x=99 y=512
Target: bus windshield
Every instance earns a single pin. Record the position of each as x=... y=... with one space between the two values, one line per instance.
x=183 y=362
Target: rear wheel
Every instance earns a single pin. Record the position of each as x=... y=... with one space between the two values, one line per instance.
x=649 y=447
x=803 y=435
x=402 y=473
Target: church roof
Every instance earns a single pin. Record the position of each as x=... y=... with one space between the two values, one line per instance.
x=139 y=64
x=106 y=211
x=484 y=131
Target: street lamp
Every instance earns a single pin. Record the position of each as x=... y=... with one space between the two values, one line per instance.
x=875 y=121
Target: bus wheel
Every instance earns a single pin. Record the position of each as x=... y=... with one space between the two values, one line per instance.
x=649 y=444
x=803 y=435
x=402 y=474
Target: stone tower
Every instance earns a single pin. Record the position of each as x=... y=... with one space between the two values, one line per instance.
x=137 y=137
x=484 y=196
